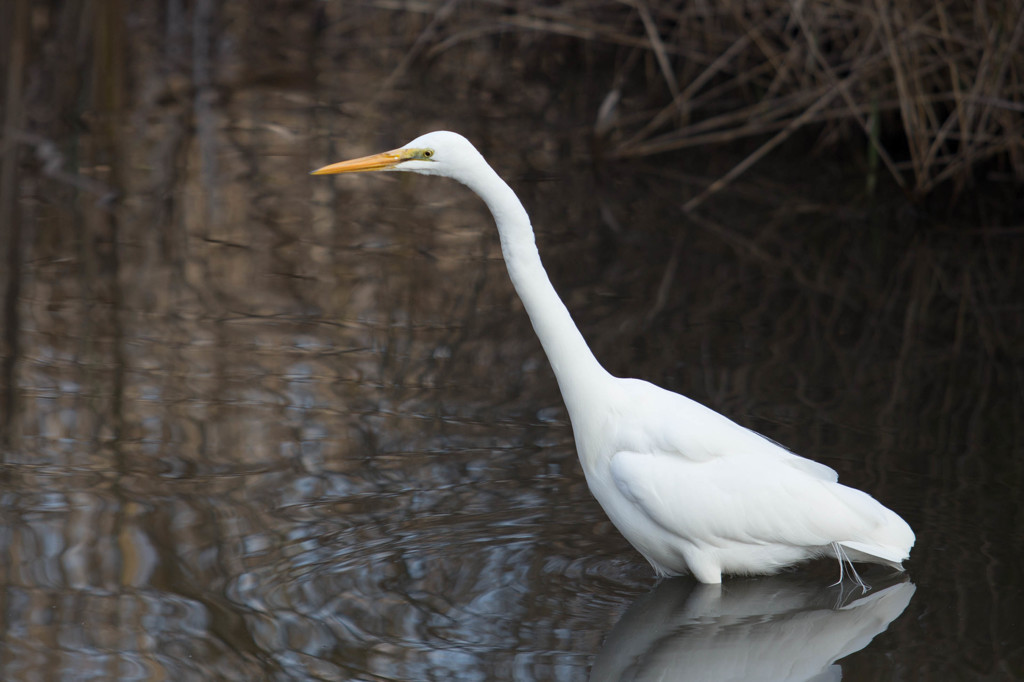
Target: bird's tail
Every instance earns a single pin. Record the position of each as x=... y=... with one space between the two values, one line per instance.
x=876 y=554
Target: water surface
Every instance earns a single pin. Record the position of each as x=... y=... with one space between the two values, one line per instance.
x=263 y=425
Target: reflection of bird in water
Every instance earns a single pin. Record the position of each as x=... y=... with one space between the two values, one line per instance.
x=777 y=628
x=693 y=491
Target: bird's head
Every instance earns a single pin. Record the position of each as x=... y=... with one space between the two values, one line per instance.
x=437 y=153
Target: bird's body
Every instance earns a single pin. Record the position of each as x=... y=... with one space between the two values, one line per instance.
x=693 y=491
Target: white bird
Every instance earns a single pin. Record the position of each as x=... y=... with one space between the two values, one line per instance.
x=693 y=491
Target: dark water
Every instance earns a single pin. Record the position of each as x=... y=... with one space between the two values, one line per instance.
x=258 y=425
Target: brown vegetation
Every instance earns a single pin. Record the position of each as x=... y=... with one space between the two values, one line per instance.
x=933 y=91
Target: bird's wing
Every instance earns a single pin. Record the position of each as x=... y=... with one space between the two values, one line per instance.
x=811 y=468
x=743 y=498
x=716 y=437
x=663 y=421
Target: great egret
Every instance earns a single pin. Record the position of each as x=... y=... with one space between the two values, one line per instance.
x=693 y=491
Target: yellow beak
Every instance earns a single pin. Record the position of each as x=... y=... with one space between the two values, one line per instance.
x=375 y=162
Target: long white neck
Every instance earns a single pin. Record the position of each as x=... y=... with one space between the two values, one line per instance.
x=574 y=364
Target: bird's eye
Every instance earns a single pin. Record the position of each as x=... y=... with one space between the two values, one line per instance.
x=427 y=153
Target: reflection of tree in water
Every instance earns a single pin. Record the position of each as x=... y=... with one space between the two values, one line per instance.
x=248 y=418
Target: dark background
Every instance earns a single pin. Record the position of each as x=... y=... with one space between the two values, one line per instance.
x=258 y=424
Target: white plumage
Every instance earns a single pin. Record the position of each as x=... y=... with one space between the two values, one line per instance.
x=693 y=491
